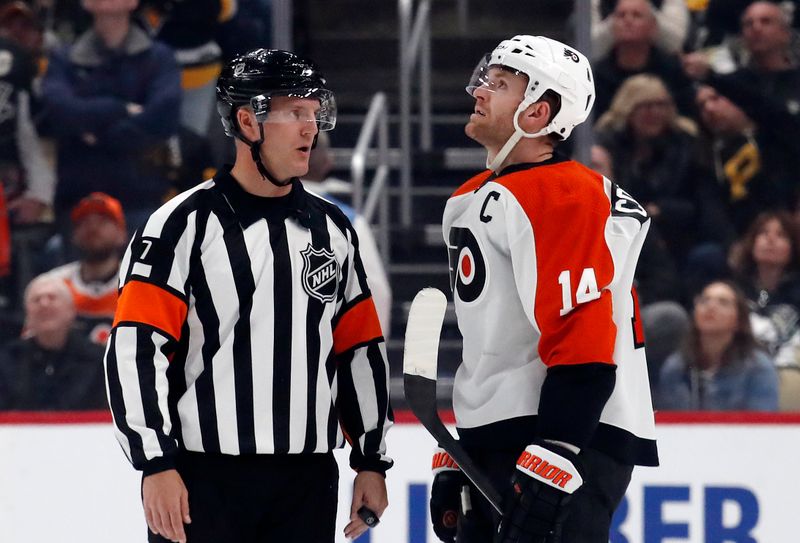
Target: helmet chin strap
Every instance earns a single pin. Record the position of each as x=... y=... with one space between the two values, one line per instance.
x=495 y=163
x=255 y=153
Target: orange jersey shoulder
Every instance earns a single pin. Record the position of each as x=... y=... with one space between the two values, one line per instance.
x=473 y=183
x=568 y=209
x=565 y=186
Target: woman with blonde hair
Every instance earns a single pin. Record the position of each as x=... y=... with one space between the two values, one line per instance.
x=644 y=90
x=654 y=152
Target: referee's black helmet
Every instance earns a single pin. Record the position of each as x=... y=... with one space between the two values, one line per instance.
x=254 y=78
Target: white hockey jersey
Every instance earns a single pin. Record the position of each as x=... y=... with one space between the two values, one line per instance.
x=95 y=301
x=542 y=260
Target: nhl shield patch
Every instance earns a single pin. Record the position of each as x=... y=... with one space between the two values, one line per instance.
x=320 y=274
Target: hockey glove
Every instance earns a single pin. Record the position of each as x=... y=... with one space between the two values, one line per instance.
x=445 y=495
x=541 y=487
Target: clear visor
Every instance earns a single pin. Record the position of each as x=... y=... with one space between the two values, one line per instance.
x=481 y=76
x=302 y=105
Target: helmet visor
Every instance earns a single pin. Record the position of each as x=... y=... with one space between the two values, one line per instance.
x=482 y=78
x=308 y=105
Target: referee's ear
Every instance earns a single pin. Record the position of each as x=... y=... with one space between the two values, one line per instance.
x=248 y=126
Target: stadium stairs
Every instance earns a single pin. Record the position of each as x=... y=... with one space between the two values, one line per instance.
x=355 y=42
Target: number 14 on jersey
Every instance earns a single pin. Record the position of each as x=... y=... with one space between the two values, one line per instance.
x=586 y=291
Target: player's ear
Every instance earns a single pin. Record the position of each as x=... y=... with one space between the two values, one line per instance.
x=535 y=116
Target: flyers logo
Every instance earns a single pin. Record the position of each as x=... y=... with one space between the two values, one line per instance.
x=467 y=265
x=571 y=55
x=99 y=334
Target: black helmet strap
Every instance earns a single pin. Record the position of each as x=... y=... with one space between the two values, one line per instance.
x=255 y=153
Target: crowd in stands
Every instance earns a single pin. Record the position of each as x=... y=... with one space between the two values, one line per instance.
x=694 y=120
x=107 y=108
x=106 y=111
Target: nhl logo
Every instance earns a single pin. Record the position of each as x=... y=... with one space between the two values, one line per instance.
x=238 y=69
x=320 y=274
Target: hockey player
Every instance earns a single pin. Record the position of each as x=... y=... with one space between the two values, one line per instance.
x=551 y=399
x=245 y=333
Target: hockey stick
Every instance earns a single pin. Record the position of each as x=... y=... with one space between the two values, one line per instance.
x=420 y=360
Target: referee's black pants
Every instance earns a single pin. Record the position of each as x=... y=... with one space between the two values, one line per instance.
x=259 y=498
x=590 y=510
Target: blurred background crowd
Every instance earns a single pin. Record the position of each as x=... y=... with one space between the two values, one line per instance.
x=107 y=108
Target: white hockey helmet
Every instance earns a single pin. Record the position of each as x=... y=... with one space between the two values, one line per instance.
x=549 y=65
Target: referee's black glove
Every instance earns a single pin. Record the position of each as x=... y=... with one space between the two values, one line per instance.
x=445 y=495
x=541 y=487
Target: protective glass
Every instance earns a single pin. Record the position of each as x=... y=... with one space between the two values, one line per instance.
x=325 y=116
x=481 y=77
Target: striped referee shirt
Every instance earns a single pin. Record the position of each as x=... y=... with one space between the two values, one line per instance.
x=245 y=325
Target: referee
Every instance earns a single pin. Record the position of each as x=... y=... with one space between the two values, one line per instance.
x=246 y=345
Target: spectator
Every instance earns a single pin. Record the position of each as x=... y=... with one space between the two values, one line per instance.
x=767 y=36
x=721 y=42
x=19 y=23
x=53 y=367
x=756 y=166
x=654 y=153
x=767 y=89
x=98 y=235
x=767 y=268
x=601 y=161
x=720 y=368
x=188 y=160
x=189 y=28
x=113 y=99
x=318 y=180
x=663 y=319
x=672 y=24
x=634 y=52
x=27 y=179
x=65 y=20
x=721 y=19
x=766 y=75
x=251 y=27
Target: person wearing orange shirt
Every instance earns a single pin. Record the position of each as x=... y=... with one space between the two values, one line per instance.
x=551 y=399
x=99 y=235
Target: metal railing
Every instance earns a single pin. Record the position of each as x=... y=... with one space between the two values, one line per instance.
x=415 y=52
x=463 y=16
x=377 y=200
x=282 y=15
x=583 y=43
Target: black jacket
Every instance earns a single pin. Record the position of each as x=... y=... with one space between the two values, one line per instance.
x=608 y=77
x=33 y=378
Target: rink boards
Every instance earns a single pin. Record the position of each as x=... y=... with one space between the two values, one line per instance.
x=723 y=478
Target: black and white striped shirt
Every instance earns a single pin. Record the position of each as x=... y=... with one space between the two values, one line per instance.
x=245 y=326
